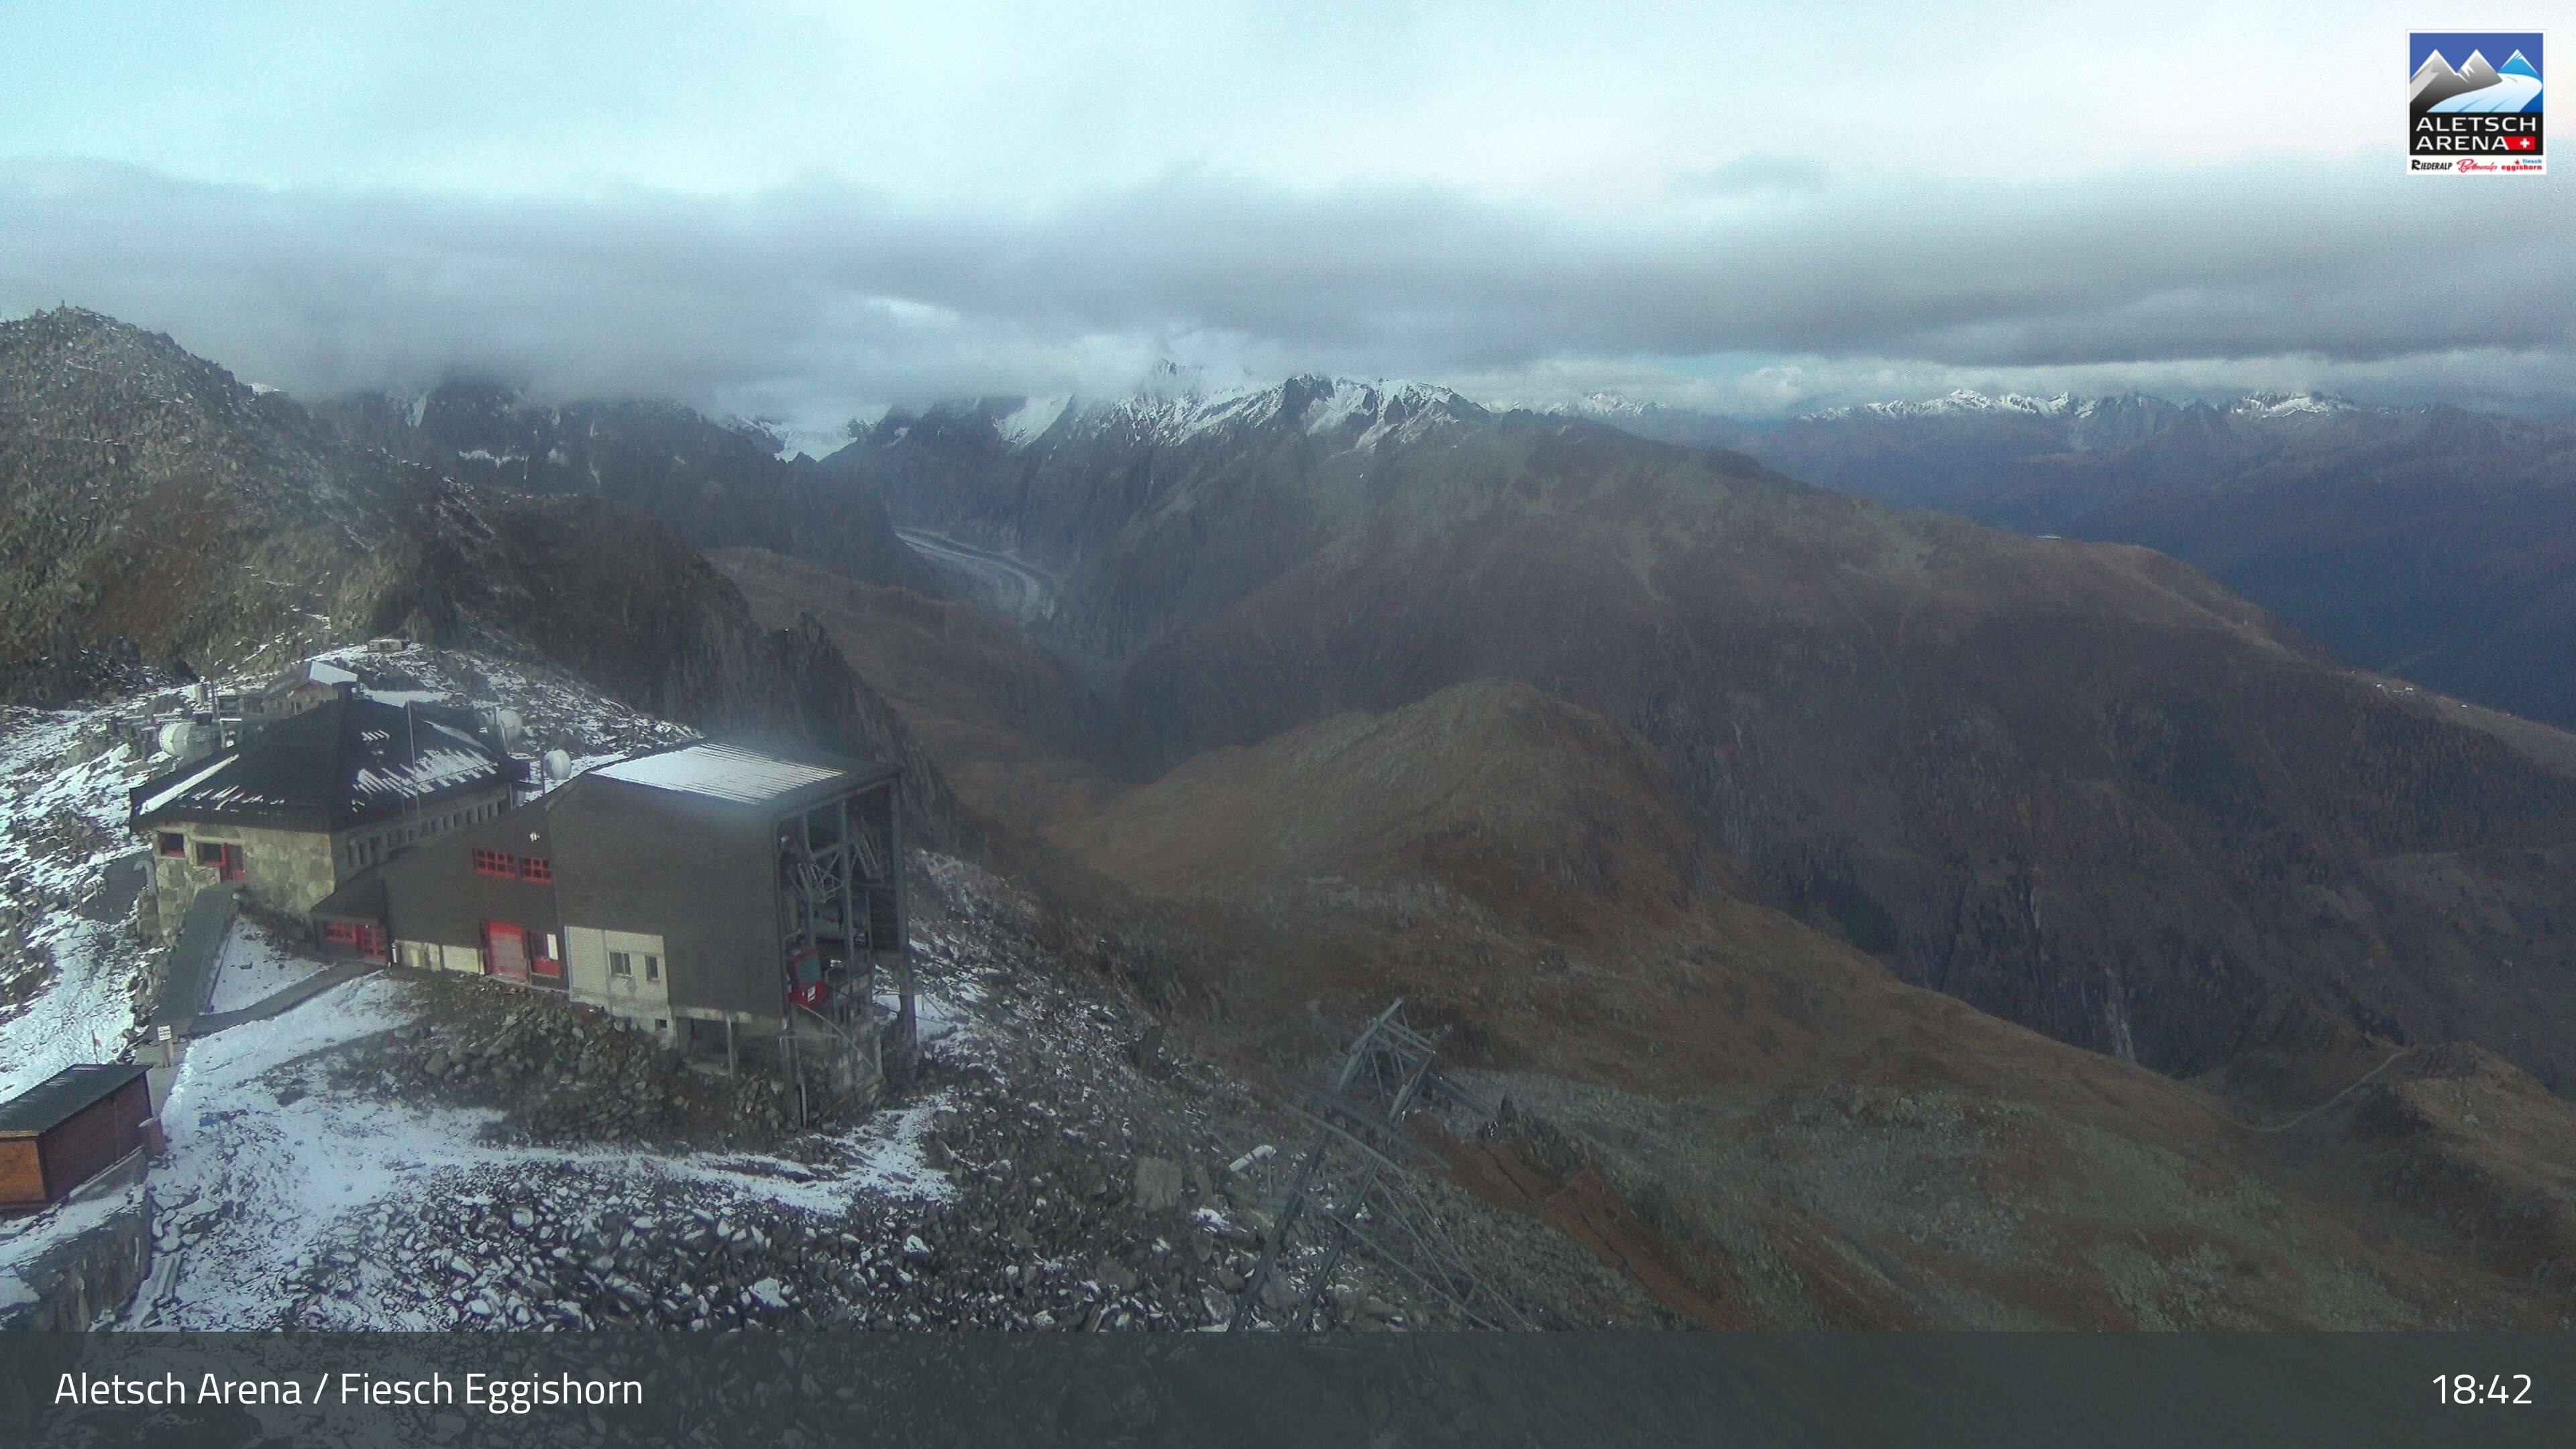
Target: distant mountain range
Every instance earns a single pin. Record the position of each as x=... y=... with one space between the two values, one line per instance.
x=2434 y=542
x=2083 y=787
x=720 y=484
x=1693 y=799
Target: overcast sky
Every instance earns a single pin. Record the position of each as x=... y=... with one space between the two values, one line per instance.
x=804 y=210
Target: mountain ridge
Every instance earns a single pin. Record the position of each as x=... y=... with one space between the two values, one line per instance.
x=155 y=510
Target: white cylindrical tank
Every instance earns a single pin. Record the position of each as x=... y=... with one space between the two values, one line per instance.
x=174 y=738
x=558 y=765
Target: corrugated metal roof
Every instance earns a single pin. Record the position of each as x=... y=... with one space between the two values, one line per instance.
x=52 y=1101
x=722 y=772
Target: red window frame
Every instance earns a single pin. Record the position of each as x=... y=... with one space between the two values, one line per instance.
x=537 y=868
x=363 y=938
x=226 y=860
x=171 y=842
x=494 y=863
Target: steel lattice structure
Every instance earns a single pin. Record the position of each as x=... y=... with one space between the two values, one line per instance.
x=1359 y=1185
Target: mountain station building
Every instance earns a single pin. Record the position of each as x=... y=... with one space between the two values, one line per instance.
x=726 y=898
x=331 y=788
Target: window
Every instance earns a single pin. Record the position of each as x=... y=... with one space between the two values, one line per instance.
x=171 y=842
x=661 y=1023
x=357 y=937
x=493 y=863
x=652 y=968
x=621 y=964
x=226 y=859
x=536 y=868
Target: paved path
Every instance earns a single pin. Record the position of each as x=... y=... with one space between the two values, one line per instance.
x=278 y=1001
x=190 y=977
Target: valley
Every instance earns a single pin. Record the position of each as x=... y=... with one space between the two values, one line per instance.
x=1868 y=918
x=2432 y=543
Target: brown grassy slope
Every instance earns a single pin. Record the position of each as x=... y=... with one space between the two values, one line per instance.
x=1770 y=1129
x=1008 y=725
x=2080 y=786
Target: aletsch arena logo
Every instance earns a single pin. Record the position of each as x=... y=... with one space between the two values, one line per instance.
x=2473 y=103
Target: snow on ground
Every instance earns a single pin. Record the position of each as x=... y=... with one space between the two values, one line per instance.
x=26 y=1240
x=266 y=1172
x=252 y=967
x=1030 y=419
x=557 y=711
x=67 y=993
x=62 y=825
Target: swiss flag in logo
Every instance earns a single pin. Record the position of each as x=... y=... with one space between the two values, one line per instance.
x=2520 y=143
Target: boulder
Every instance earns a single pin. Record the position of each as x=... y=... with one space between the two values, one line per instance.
x=1159 y=1183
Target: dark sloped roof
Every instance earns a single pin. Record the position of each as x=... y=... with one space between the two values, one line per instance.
x=52 y=1101
x=336 y=764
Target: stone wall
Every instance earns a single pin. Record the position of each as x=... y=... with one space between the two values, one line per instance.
x=285 y=870
x=98 y=1259
x=290 y=870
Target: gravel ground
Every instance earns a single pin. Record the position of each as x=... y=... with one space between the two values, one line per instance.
x=438 y=1152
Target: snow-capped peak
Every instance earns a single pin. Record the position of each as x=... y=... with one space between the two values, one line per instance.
x=2282 y=405
x=1024 y=424
x=1959 y=402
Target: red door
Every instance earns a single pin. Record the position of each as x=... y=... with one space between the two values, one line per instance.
x=505 y=947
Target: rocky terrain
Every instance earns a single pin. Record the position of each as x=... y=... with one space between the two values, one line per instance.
x=1860 y=919
x=158 y=515
x=1010 y=725
x=716 y=485
x=1059 y=1163
x=2434 y=543
x=2081 y=786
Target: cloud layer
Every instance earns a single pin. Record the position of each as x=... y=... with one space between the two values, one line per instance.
x=1740 y=291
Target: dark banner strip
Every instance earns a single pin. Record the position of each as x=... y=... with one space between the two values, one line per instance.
x=180 y=1392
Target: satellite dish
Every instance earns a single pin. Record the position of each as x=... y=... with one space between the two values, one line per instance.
x=558 y=765
x=173 y=738
x=509 y=726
